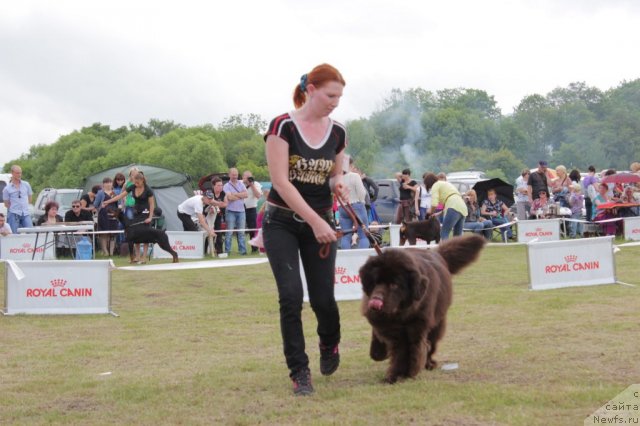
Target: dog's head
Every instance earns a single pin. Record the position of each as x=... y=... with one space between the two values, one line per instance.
x=392 y=282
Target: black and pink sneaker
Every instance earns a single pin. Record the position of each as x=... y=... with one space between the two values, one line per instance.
x=329 y=359
x=302 y=383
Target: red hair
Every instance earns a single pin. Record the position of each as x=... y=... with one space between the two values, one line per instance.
x=319 y=76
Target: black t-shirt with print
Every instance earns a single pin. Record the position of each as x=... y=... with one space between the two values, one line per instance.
x=309 y=167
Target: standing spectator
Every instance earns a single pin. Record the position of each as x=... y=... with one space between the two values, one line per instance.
x=454 y=207
x=192 y=209
x=423 y=201
x=589 y=184
x=254 y=193
x=17 y=196
x=576 y=201
x=474 y=220
x=538 y=181
x=219 y=203
x=88 y=199
x=235 y=215
x=523 y=206
x=298 y=226
x=371 y=188
x=145 y=204
x=408 y=186
x=5 y=229
x=107 y=217
x=497 y=211
x=357 y=193
x=119 y=181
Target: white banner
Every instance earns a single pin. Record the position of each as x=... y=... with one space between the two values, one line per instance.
x=188 y=245
x=58 y=287
x=632 y=228
x=571 y=263
x=540 y=229
x=22 y=246
x=347 y=272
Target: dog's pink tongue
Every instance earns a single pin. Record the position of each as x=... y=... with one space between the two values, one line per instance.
x=375 y=304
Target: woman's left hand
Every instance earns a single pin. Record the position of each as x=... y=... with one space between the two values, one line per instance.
x=147 y=220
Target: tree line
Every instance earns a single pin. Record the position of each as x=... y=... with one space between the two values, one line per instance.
x=449 y=130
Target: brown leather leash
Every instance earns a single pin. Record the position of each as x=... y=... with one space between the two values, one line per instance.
x=324 y=251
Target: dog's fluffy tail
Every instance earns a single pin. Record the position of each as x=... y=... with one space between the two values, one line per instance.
x=459 y=252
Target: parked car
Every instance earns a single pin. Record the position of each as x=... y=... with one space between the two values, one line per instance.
x=388 y=199
x=4 y=181
x=464 y=181
x=63 y=197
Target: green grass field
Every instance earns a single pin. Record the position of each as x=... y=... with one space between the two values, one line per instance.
x=203 y=347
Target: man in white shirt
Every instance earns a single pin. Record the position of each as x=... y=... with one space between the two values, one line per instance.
x=254 y=193
x=193 y=208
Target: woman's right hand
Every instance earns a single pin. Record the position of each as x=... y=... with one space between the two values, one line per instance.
x=323 y=232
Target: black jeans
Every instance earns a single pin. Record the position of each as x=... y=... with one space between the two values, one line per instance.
x=287 y=240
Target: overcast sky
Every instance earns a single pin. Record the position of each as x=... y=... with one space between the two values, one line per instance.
x=68 y=64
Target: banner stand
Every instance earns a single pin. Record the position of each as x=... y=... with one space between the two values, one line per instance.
x=58 y=287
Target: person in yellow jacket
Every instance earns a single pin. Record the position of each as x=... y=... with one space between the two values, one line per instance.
x=455 y=209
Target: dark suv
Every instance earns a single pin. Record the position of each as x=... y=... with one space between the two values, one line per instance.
x=388 y=199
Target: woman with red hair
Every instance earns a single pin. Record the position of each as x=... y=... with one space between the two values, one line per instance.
x=305 y=153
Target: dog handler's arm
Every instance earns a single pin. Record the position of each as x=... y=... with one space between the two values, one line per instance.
x=152 y=207
x=204 y=224
x=118 y=197
x=278 y=162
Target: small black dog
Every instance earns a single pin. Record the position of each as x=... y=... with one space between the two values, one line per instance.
x=138 y=232
x=428 y=230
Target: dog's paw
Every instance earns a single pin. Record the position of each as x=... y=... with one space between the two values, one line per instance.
x=431 y=364
x=378 y=350
x=390 y=379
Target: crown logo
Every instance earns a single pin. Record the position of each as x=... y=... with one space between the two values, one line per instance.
x=26 y=245
x=58 y=282
x=570 y=258
x=538 y=229
x=341 y=270
x=178 y=242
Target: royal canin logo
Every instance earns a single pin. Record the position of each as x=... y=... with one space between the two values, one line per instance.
x=58 y=282
x=635 y=231
x=538 y=232
x=572 y=265
x=343 y=277
x=58 y=289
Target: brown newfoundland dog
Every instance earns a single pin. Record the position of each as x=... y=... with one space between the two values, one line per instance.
x=407 y=293
x=428 y=230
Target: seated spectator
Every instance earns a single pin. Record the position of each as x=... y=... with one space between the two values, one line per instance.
x=576 y=201
x=77 y=214
x=609 y=228
x=497 y=211
x=630 y=196
x=474 y=220
x=5 y=229
x=50 y=216
x=540 y=206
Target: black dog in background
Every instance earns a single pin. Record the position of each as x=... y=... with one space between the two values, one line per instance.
x=428 y=230
x=138 y=232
